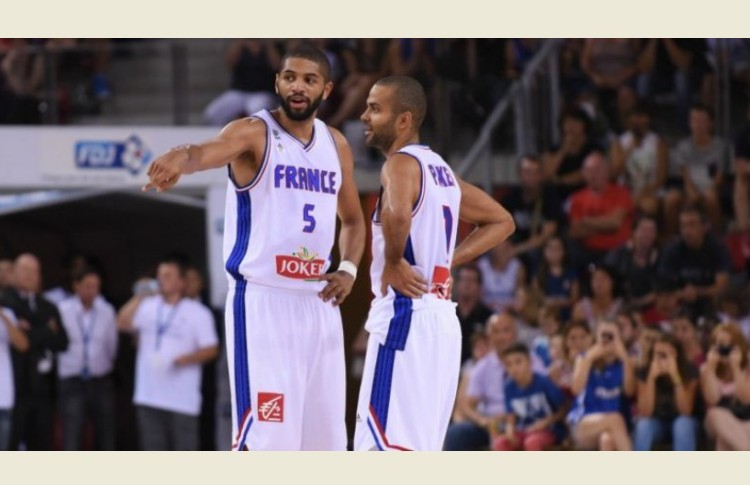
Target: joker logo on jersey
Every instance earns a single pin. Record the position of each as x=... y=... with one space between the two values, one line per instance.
x=301 y=265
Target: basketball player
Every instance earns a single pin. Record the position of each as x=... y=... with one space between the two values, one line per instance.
x=414 y=351
x=289 y=177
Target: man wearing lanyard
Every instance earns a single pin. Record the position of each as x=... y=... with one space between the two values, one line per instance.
x=176 y=336
x=86 y=389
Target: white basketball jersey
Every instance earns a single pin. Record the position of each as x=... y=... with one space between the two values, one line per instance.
x=279 y=230
x=434 y=222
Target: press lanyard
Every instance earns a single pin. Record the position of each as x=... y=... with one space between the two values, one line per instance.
x=162 y=325
x=86 y=334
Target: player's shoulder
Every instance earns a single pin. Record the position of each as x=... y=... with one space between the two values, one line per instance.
x=250 y=127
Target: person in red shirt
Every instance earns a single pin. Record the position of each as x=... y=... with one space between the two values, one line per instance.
x=601 y=213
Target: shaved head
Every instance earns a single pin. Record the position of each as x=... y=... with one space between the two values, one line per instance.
x=408 y=95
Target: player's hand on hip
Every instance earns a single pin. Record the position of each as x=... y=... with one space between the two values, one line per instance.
x=165 y=171
x=338 y=288
x=404 y=279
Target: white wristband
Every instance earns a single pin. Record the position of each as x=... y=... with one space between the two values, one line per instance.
x=348 y=267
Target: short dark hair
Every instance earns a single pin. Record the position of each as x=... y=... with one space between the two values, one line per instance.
x=311 y=53
x=695 y=208
x=578 y=114
x=517 y=348
x=81 y=273
x=177 y=259
x=704 y=108
x=409 y=95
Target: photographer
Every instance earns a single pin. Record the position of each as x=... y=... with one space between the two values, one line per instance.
x=726 y=388
x=602 y=379
x=666 y=398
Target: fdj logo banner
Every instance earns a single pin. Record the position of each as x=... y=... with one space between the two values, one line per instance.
x=132 y=155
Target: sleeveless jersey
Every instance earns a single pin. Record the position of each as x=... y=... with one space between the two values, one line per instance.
x=280 y=228
x=434 y=223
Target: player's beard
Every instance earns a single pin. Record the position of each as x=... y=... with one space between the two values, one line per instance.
x=382 y=140
x=303 y=115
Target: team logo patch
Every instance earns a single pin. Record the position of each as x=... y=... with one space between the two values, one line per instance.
x=271 y=407
x=301 y=265
x=441 y=283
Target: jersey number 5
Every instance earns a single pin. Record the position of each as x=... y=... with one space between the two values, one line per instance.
x=308 y=218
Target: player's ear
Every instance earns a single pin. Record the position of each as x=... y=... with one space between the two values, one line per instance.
x=327 y=89
x=405 y=120
x=276 y=83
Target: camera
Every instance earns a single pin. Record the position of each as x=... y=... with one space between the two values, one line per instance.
x=607 y=337
x=661 y=355
x=724 y=350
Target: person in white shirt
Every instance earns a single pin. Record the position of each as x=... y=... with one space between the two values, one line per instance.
x=176 y=335
x=85 y=386
x=10 y=336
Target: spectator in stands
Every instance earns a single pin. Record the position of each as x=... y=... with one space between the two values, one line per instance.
x=502 y=272
x=559 y=369
x=742 y=177
x=677 y=64
x=612 y=66
x=549 y=325
x=602 y=379
x=604 y=301
x=34 y=370
x=480 y=347
x=666 y=398
x=485 y=400
x=563 y=163
x=10 y=337
x=176 y=336
x=733 y=306
x=557 y=279
x=699 y=261
x=647 y=337
x=639 y=160
x=535 y=406
x=601 y=214
x=24 y=72
x=629 y=323
x=472 y=313
x=684 y=329
x=576 y=342
x=86 y=386
x=254 y=63
x=637 y=262
x=700 y=162
x=535 y=209
x=525 y=307
x=725 y=381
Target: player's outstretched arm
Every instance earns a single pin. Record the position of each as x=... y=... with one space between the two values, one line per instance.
x=352 y=235
x=242 y=137
x=494 y=223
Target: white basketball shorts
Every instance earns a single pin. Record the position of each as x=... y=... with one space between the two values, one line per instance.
x=285 y=352
x=410 y=376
